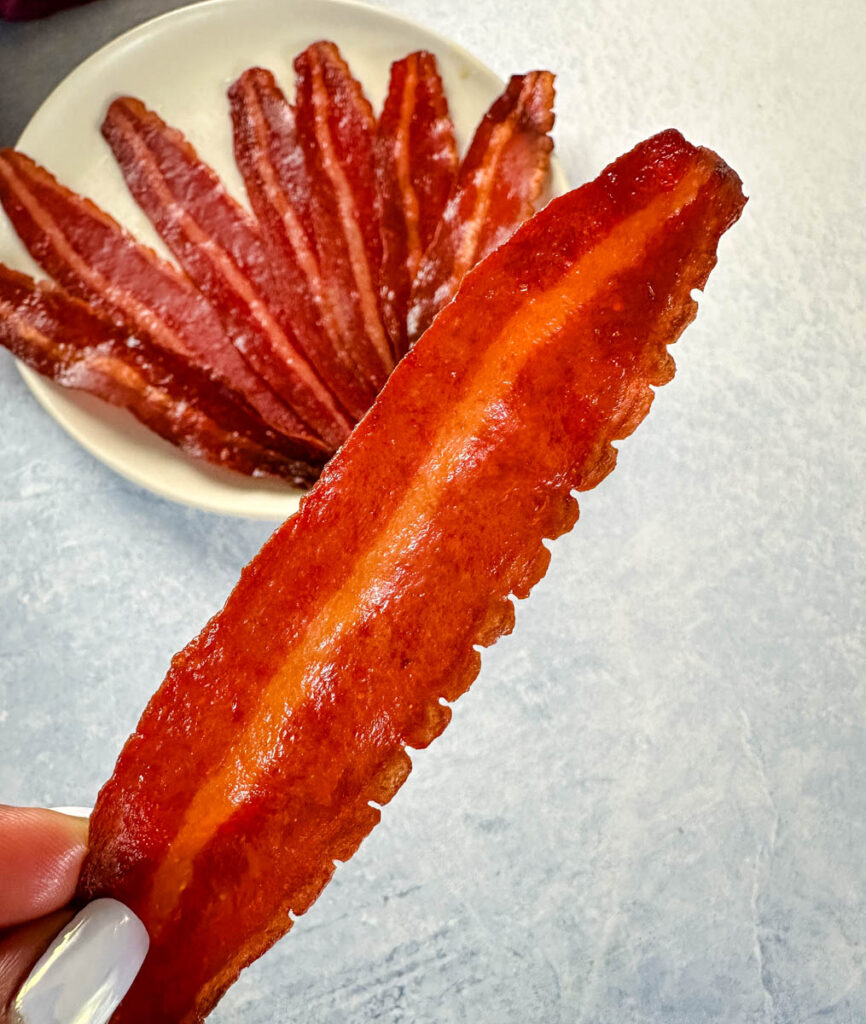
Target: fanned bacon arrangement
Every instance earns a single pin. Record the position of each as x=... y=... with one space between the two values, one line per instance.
x=283 y=727
x=271 y=336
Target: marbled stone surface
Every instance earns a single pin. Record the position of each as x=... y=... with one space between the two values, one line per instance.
x=651 y=807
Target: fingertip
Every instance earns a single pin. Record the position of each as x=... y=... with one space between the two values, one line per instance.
x=75 y=820
x=41 y=852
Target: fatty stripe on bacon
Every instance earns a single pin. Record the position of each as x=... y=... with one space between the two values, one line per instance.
x=220 y=247
x=336 y=129
x=417 y=166
x=98 y=261
x=272 y=165
x=253 y=768
x=500 y=178
x=59 y=337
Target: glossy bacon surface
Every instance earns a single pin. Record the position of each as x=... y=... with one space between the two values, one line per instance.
x=99 y=262
x=500 y=178
x=219 y=245
x=273 y=167
x=59 y=337
x=417 y=165
x=254 y=765
x=337 y=131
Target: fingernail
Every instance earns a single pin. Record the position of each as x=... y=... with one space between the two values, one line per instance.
x=76 y=812
x=87 y=969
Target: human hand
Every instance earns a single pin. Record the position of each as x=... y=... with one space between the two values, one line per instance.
x=86 y=960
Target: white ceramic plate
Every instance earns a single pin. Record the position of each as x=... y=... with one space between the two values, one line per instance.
x=181 y=64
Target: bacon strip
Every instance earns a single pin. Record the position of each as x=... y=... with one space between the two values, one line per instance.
x=96 y=260
x=337 y=131
x=417 y=166
x=500 y=178
x=219 y=245
x=272 y=164
x=253 y=767
x=57 y=335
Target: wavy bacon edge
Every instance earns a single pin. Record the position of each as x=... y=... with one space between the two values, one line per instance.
x=253 y=767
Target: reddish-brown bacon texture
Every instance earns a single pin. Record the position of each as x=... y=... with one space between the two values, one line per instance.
x=254 y=766
x=337 y=131
x=278 y=184
x=500 y=178
x=220 y=247
x=359 y=233
x=95 y=259
x=417 y=165
x=59 y=337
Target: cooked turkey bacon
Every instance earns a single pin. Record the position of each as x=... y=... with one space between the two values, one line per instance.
x=360 y=231
x=99 y=262
x=278 y=184
x=59 y=337
x=417 y=165
x=500 y=178
x=220 y=246
x=336 y=129
x=254 y=766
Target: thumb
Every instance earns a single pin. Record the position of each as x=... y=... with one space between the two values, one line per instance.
x=40 y=858
x=91 y=958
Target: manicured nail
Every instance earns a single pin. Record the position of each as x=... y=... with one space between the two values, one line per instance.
x=76 y=812
x=87 y=969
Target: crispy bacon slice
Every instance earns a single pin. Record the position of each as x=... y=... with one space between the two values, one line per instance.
x=500 y=178
x=272 y=165
x=219 y=245
x=417 y=166
x=98 y=261
x=337 y=132
x=59 y=337
x=254 y=766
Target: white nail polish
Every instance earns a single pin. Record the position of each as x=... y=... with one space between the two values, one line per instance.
x=76 y=812
x=87 y=969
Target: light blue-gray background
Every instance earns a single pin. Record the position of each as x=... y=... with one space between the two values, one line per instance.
x=651 y=807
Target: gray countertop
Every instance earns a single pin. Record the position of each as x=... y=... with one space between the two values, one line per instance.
x=651 y=807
